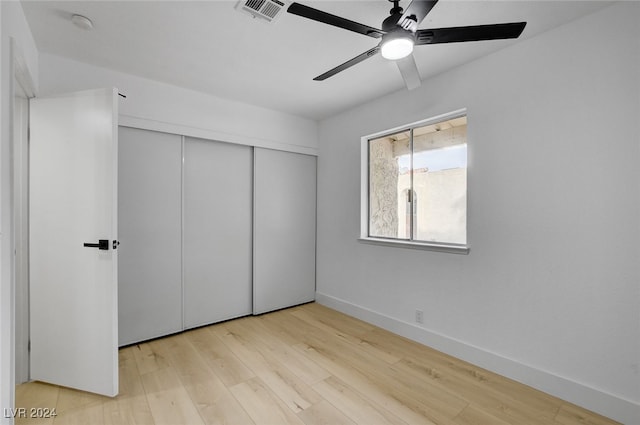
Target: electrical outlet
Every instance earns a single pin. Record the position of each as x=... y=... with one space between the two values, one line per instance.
x=419 y=316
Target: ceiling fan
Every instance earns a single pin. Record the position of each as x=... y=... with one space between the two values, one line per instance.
x=400 y=34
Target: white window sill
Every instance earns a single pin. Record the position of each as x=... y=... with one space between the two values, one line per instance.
x=451 y=248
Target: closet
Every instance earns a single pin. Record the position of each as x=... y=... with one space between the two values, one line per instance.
x=210 y=231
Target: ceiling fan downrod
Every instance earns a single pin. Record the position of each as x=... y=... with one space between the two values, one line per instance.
x=396 y=7
x=390 y=23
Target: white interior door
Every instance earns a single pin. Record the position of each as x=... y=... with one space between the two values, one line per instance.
x=73 y=201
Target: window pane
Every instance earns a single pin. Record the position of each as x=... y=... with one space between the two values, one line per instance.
x=440 y=182
x=389 y=181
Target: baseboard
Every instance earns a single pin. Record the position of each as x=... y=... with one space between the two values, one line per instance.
x=619 y=409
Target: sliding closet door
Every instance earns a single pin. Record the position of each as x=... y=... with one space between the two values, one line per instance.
x=217 y=231
x=149 y=215
x=284 y=229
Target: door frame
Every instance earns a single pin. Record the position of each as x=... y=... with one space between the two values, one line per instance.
x=23 y=88
x=15 y=72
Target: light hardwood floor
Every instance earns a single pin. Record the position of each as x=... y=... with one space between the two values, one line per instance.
x=304 y=365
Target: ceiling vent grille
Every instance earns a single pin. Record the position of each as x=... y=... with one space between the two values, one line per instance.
x=268 y=10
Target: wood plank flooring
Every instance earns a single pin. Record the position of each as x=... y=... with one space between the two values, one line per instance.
x=306 y=365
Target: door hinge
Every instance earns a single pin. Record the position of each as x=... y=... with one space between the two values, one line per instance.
x=29 y=346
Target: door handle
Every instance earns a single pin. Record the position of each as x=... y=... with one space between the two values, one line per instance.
x=103 y=244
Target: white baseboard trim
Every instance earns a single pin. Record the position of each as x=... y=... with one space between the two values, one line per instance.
x=619 y=409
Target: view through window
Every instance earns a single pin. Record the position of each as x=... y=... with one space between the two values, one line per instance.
x=418 y=183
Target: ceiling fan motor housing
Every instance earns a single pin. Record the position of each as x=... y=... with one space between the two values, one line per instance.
x=391 y=22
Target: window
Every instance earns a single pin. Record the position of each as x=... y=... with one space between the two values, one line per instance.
x=415 y=185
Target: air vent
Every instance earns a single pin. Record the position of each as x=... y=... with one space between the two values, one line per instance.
x=268 y=10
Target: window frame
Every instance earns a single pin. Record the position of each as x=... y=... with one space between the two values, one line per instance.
x=364 y=191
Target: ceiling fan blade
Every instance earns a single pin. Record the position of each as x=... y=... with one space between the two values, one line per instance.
x=409 y=72
x=470 y=33
x=336 y=21
x=348 y=64
x=416 y=11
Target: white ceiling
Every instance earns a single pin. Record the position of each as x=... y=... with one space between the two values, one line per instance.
x=210 y=47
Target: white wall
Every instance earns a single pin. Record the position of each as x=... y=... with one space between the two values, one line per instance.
x=16 y=41
x=550 y=291
x=162 y=107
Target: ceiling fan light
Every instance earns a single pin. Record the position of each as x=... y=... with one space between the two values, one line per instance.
x=396 y=48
